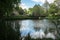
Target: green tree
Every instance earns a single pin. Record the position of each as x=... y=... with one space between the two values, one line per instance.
x=46 y=5
x=26 y=12
x=6 y=6
x=37 y=10
x=53 y=11
x=21 y=11
x=57 y=2
x=30 y=11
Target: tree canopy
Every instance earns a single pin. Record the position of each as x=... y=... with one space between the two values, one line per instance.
x=7 y=6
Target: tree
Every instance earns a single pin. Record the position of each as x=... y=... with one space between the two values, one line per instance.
x=57 y=2
x=30 y=11
x=53 y=8
x=26 y=12
x=6 y=6
x=7 y=32
x=21 y=11
x=46 y=7
x=37 y=10
x=53 y=11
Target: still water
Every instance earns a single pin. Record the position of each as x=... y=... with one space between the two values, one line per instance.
x=36 y=28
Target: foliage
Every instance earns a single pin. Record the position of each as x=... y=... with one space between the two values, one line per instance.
x=26 y=12
x=53 y=11
x=21 y=11
x=6 y=31
x=6 y=6
x=37 y=10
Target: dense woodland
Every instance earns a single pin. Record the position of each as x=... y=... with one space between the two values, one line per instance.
x=8 y=9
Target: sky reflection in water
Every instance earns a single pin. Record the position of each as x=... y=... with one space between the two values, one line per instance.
x=27 y=26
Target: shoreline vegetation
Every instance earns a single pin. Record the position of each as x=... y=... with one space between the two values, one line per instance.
x=29 y=17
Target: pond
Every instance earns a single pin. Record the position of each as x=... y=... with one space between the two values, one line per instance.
x=36 y=28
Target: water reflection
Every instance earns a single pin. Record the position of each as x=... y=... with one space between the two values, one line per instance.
x=37 y=28
x=11 y=30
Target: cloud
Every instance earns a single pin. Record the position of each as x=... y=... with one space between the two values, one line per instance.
x=43 y=1
x=23 y=5
x=39 y=1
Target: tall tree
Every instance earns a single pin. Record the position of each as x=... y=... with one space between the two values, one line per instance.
x=46 y=7
x=37 y=10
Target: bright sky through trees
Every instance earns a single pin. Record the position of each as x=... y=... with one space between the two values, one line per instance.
x=25 y=4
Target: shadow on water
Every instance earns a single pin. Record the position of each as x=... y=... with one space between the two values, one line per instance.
x=8 y=31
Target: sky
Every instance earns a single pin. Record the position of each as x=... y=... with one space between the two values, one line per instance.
x=25 y=4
